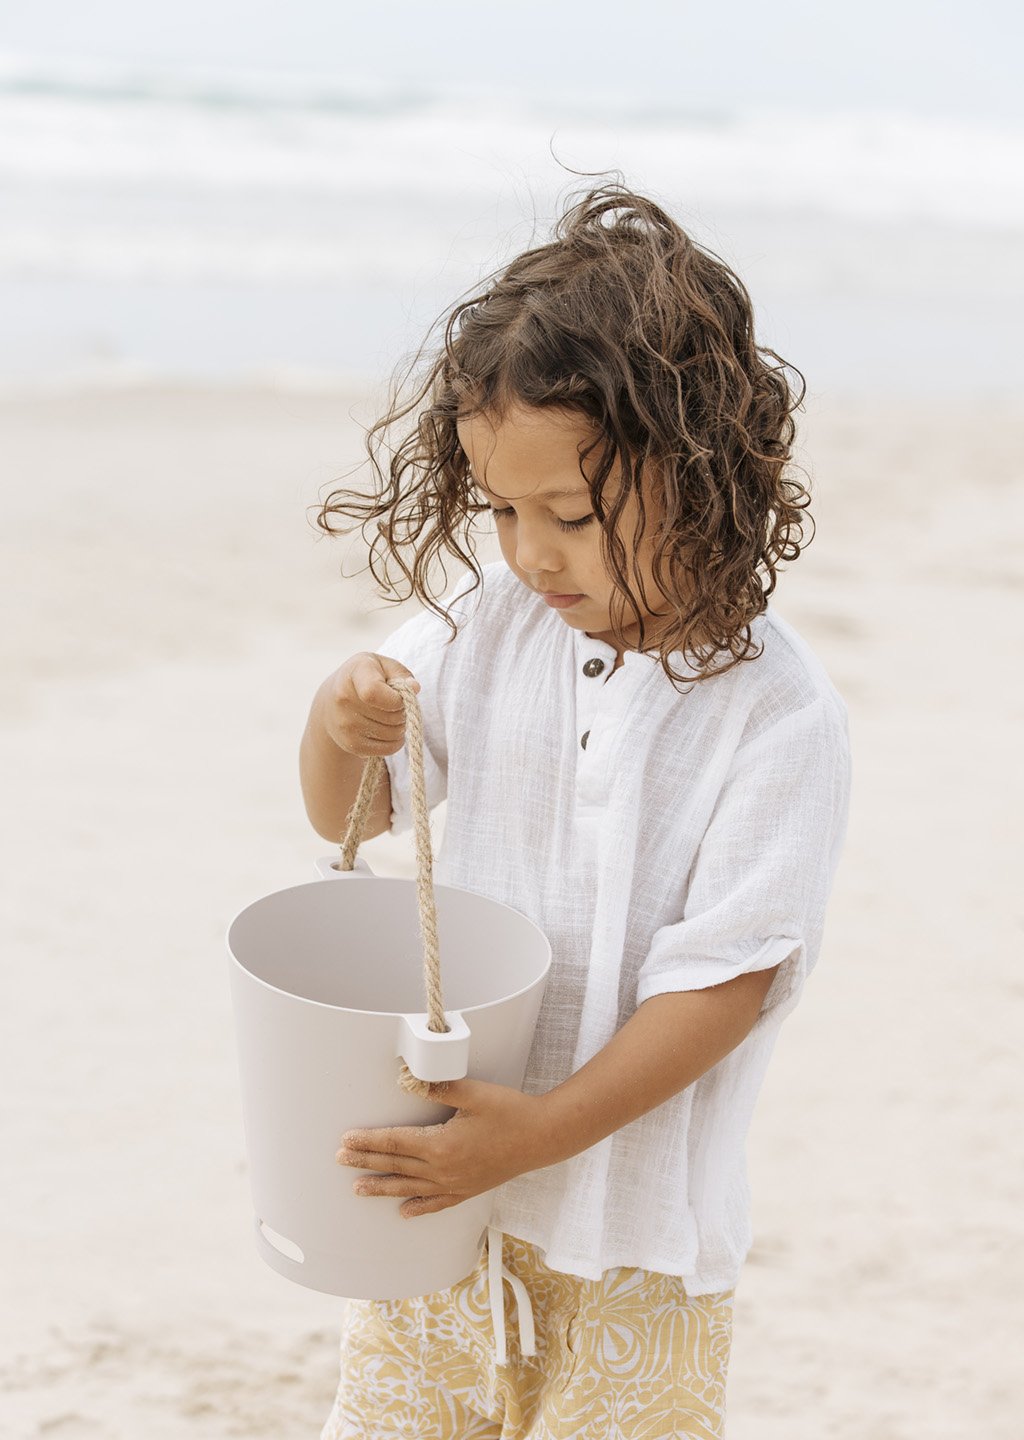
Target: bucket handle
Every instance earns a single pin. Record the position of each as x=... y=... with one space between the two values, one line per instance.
x=373 y=770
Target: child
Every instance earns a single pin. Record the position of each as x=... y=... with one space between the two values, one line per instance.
x=655 y=769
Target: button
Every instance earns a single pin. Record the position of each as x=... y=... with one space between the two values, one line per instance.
x=593 y=667
x=584 y=738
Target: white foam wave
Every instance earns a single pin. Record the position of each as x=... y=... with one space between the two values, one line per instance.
x=216 y=222
x=152 y=176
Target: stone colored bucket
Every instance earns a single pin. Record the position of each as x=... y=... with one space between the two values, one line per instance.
x=327 y=984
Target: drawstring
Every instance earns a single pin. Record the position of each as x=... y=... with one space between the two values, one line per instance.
x=496 y=1273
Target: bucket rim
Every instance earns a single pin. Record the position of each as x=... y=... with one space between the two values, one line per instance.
x=354 y=1010
x=362 y=879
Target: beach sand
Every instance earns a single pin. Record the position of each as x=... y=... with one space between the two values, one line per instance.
x=172 y=613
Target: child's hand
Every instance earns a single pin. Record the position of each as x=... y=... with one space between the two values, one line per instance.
x=495 y=1134
x=359 y=710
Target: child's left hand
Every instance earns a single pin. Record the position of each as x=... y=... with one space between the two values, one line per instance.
x=494 y=1135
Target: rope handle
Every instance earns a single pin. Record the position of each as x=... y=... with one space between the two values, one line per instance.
x=356 y=823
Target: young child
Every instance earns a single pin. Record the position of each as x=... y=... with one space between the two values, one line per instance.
x=653 y=767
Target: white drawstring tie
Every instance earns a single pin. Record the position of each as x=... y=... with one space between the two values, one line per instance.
x=496 y=1274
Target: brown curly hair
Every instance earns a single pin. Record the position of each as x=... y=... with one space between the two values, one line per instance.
x=623 y=319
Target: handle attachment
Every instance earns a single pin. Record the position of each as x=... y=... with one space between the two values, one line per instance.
x=328 y=867
x=430 y=1056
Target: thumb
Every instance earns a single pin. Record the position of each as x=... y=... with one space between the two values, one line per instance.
x=395 y=670
x=464 y=1094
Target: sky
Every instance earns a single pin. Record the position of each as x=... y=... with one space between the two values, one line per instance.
x=911 y=55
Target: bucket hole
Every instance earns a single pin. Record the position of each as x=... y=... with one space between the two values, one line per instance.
x=281 y=1242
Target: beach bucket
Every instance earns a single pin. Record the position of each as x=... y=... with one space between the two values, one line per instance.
x=334 y=984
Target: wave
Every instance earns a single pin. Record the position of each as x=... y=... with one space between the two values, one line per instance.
x=189 y=130
x=248 y=90
x=245 y=193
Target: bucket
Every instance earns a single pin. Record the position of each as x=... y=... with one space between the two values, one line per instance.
x=334 y=983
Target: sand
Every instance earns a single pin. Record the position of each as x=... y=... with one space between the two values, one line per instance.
x=170 y=613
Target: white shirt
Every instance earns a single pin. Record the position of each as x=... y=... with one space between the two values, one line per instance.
x=694 y=838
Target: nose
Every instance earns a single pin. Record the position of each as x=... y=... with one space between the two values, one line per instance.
x=537 y=550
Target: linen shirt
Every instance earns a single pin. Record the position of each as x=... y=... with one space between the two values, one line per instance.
x=692 y=838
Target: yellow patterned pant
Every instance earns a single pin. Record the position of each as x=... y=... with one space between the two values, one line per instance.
x=628 y=1357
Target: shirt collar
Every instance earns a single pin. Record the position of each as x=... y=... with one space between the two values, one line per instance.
x=586 y=647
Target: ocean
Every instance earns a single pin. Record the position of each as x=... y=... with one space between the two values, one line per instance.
x=224 y=228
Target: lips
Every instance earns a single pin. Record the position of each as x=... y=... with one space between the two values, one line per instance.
x=559 y=602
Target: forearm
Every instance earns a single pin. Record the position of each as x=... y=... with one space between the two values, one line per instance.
x=668 y=1043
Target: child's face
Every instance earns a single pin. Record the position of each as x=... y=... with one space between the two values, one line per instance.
x=518 y=463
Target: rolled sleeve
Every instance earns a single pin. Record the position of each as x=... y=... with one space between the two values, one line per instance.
x=760 y=884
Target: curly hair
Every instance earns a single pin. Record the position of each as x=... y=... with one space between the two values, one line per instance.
x=624 y=320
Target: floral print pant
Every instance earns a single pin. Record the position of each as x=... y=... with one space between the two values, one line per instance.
x=628 y=1357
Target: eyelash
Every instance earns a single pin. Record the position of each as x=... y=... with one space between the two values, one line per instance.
x=562 y=524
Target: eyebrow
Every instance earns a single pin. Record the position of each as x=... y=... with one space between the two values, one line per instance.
x=544 y=494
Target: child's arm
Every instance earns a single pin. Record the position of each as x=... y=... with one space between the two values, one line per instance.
x=668 y=1042
x=355 y=714
x=498 y=1133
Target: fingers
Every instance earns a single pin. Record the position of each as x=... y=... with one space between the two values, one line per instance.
x=425 y=1206
x=408 y=1185
x=404 y=1141
x=377 y=1160
x=418 y=1203
x=372 y=705
x=380 y=700
x=374 y=737
x=360 y=710
x=390 y=721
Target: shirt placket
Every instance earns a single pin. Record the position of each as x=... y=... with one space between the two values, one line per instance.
x=599 y=693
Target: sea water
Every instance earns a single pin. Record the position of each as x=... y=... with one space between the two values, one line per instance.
x=234 y=227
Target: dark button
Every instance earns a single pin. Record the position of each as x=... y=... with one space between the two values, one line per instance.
x=593 y=667
x=584 y=738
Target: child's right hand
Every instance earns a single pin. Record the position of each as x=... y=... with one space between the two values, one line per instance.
x=358 y=708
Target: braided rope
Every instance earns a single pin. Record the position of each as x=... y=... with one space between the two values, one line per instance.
x=373 y=770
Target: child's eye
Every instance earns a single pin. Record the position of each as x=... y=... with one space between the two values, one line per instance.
x=562 y=524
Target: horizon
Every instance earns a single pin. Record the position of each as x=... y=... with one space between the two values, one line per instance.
x=934 y=61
